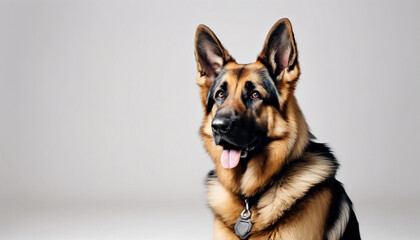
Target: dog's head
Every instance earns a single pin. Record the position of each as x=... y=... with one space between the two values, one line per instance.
x=247 y=106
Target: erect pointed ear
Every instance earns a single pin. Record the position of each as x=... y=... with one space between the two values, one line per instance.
x=279 y=50
x=210 y=55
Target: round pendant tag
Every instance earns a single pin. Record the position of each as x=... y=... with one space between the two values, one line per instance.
x=243 y=228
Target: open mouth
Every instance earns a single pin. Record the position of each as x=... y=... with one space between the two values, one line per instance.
x=232 y=154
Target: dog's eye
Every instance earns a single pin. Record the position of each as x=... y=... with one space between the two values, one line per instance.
x=220 y=94
x=255 y=95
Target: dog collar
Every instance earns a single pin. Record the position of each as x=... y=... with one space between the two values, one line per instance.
x=243 y=225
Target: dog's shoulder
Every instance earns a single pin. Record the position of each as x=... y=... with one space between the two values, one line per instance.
x=342 y=222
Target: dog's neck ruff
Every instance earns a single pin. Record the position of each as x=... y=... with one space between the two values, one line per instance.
x=316 y=166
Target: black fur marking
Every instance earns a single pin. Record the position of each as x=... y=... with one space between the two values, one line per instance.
x=292 y=66
x=333 y=213
x=222 y=88
x=267 y=65
x=239 y=72
x=323 y=150
x=339 y=195
x=352 y=231
x=211 y=91
x=211 y=174
x=270 y=87
x=249 y=87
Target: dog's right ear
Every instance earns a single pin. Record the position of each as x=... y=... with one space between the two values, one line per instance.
x=279 y=51
x=210 y=55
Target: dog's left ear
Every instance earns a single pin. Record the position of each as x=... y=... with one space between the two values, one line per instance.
x=279 y=52
x=210 y=55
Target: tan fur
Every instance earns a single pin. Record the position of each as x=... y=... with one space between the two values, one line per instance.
x=294 y=185
x=221 y=232
x=226 y=205
x=276 y=200
x=307 y=223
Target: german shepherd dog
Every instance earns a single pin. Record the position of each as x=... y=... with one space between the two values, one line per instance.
x=271 y=179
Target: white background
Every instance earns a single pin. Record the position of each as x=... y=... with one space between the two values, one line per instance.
x=99 y=111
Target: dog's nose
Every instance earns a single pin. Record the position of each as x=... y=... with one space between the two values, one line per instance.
x=222 y=125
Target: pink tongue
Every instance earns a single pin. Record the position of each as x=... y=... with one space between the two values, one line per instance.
x=230 y=158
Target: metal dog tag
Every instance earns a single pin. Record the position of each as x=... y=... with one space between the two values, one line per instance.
x=243 y=225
